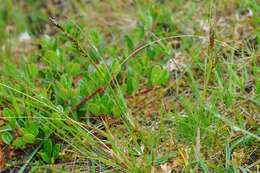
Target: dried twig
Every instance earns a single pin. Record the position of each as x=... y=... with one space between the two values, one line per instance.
x=100 y=90
x=142 y=92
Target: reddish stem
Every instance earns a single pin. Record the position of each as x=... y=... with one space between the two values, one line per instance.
x=100 y=90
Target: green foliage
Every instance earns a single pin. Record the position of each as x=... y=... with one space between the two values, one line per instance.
x=49 y=151
x=28 y=135
x=159 y=76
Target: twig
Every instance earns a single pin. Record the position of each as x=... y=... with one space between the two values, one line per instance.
x=99 y=90
x=137 y=49
x=84 y=100
x=142 y=92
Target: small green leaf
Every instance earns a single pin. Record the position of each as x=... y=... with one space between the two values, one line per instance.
x=129 y=42
x=56 y=150
x=19 y=142
x=155 y=74
x=73 y=69
x=94 y=108
x=9 y=115
x=132 y=81
x=45 y=157
x=51 y=56
x=95 y=37
x=159 y=76
x=151 y=53
x=116 y=67
x=33 y=128
x=164 y=77
x=7 y=137
x=23 y=130
x=28 y=138
x=48 y=43
x=33 y=70
x=119 y=107
x=47 y=146
x=116 y=111
x=132 y=84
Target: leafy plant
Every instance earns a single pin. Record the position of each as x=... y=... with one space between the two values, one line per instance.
x=28 y=135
